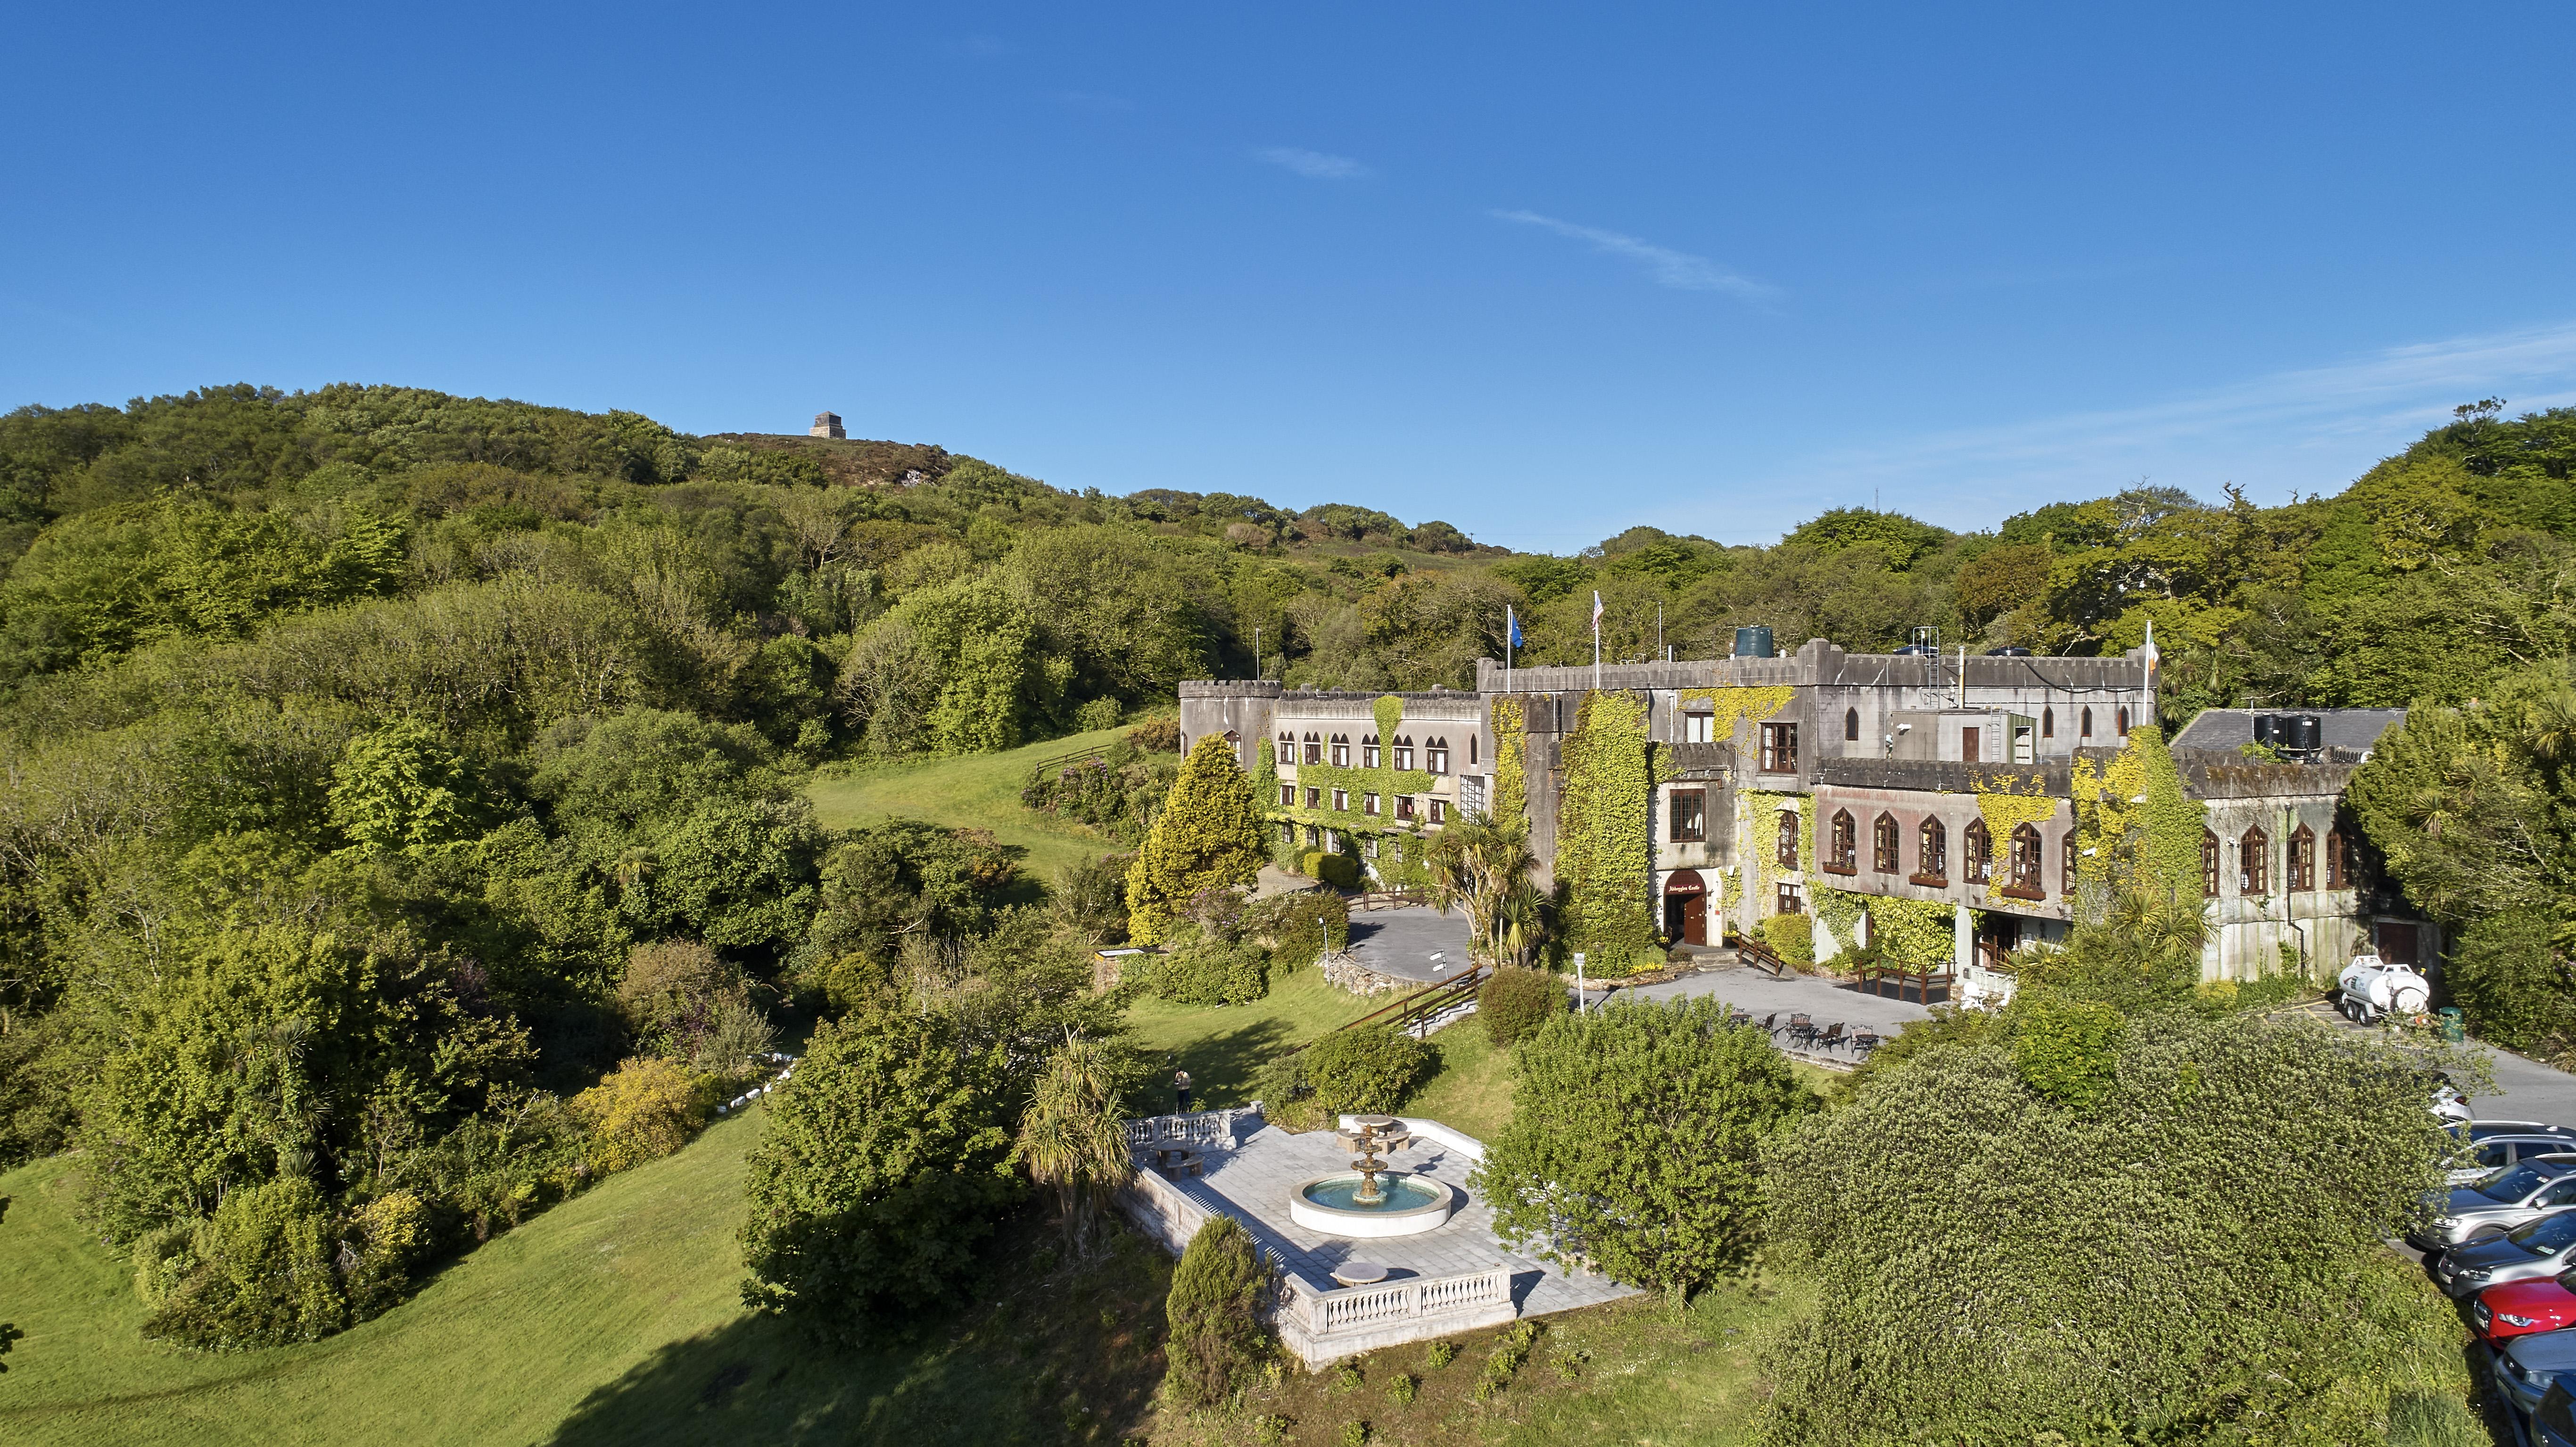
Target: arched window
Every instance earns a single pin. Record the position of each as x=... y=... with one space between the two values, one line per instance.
x=2254 y=862
x=2066 y=864
x=2124 y=720
x=1846 y=844
x=1471 y=751
x=1851 y=725
x=1368 y=751
x=1882 y=844
x=1314 y=749
x=1288 y=752
x=2024 y=860
x=2084 y=722
x=1341 y=751
x=1932 y=853
x=1234 y=746
x=2208 y=865
x=2338 y=862
x=1977 y=854
x=1787 y=852
x=2048 y=723
x=1435 y=756
x=1404 y=751
x=2303 y=860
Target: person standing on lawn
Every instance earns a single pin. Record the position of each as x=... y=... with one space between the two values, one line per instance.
x=1181 y=1089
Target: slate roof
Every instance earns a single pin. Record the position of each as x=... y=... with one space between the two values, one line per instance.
x=2224 y=729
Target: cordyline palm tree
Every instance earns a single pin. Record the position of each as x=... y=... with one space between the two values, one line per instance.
x=1072 y=1139
x=1483 y=864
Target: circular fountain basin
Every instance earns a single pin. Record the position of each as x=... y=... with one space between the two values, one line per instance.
x=1413 y=1205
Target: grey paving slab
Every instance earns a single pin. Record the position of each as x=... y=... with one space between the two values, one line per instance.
x=1251 y=1182
x=1825 y=999
x=1411 y=942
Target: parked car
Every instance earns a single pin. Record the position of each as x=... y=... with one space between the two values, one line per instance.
x=2526 y=1365
x=2544 y=1247
x=2492 y=1207
x=2495 y=1144
x=2553 y=1422
x=2519 y=1308
x=2372 y=987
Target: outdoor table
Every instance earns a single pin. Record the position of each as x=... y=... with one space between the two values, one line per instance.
x=1359 y=1273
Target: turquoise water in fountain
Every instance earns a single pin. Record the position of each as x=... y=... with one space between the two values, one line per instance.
x=1403 y=1193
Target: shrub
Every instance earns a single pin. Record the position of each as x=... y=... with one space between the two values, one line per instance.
x=885 y=1166
x=1366 y=1070
x=388 y=1235
x=737 y=1033
x=2185 y=1228
x=1633 y=1137
x=1515 y=1002
x=1157 y=735
x=1217 y=1341
x=644 y=1110
x=1090 y=899
x=263 y=1274
x=1440 y=1354
x=1792 y=937
x=1205 y=971
x=2066 y=1050
x=1400 y=1388
x=672 y=991
x=1098 y=714
x=1210 y=833
x=1338 y=870
x=1300 y=927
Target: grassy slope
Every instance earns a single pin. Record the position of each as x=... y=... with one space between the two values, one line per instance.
x=981 y=791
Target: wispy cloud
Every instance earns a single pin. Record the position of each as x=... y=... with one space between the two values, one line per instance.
x=1314 y=165
x=1664 y=266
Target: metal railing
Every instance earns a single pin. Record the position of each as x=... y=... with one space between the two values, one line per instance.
x=1421 y=1005
x=1043 y=767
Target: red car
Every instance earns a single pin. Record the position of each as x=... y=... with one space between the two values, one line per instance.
x=2519 y=1308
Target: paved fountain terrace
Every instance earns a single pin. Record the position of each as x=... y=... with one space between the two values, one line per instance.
x=1252 y=1179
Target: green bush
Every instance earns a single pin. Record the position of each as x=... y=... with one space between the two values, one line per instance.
x=1514 y=1002
x=2067 y=1051
x=1300 y=927
x=1338 y=870
x=1366 y=1070
x=1098 y=714
x=1792 y=937
x=2513 y=985
x=1205 y=971
x=1217 y=1341
x=263 y=1274
x=1633 y=1141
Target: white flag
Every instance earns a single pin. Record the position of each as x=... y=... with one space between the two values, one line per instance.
x=1596 y=614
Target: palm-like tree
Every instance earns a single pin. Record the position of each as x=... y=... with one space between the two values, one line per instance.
x=1483 y=864
x=1073 y=1139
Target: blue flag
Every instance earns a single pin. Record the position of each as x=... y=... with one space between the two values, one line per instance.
x=1513 y=623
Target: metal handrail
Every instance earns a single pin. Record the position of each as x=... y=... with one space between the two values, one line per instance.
x=1038 y=770
x=1762 y=957
x=1429 y=1000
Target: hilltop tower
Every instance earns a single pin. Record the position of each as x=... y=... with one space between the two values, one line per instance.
x=826 y=424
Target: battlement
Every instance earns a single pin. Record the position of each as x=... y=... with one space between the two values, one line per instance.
x=1230 y=688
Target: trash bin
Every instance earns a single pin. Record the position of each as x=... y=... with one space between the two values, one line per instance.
x=2452 y=1027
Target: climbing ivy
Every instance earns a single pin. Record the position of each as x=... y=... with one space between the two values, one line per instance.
x=2005 y=808
x=1840 y=911
x=1915 y=931
x=1511 y=788
x=1604 y=849
x=1760 y=852
x=2122 y=842
x=1734 y=703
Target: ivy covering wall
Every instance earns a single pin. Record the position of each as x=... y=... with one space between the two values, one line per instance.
x=2005 y=809
x=1604 y=847
x=2122 y=842
x=1511 y=760
x=1734 y=703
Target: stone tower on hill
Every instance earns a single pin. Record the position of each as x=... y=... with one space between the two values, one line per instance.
x=826 y=424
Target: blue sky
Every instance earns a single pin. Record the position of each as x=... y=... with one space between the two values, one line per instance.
x=1543 y=272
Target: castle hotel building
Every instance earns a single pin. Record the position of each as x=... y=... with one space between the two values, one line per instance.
x=1863 y=773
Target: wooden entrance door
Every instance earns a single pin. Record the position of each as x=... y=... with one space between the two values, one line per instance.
x=1971 y=747
x=1686 y=908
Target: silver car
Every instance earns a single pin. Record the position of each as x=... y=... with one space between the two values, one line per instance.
x=2534 y=1249
x=2497 y=1205
x=2528 y=1364
x=2491 y=1145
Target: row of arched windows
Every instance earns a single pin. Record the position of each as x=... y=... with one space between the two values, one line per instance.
x=2022 y=860
x=2254 y=862
x=2047 y=723
x=1435 y=751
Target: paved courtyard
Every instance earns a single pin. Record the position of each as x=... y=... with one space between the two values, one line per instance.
x=1252 y=1181
x=1814 y=995
x=1411 y=942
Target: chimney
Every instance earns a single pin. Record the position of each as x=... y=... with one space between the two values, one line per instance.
x=826 y=424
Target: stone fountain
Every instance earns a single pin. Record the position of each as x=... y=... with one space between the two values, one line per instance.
x=1373 y=1199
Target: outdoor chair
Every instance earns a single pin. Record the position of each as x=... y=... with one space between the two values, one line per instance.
x=1833 y=1036
x=1802 y=1030
x=1771 y=1022
x=1863 y=1042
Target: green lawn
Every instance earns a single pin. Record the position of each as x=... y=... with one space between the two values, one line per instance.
x=1221 y=1045
x=979 y=791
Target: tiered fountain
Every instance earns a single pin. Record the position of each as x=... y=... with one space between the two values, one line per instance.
x=1372 y=1199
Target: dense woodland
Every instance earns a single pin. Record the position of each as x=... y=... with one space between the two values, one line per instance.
x=403 y=822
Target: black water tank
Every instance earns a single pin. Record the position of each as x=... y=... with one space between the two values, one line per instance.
x=2267 y=730
x=2305 y=733
x=1753 y=642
